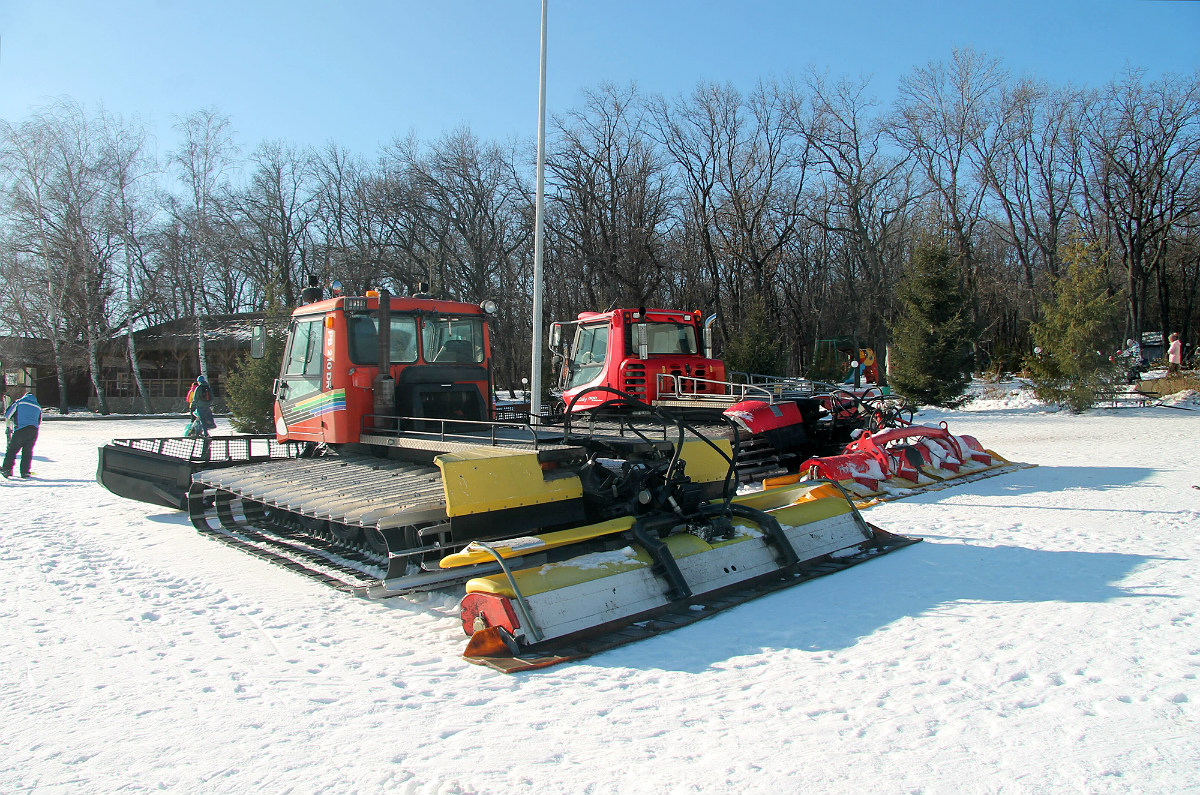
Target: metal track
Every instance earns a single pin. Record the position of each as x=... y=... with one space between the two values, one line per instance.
x=316 y=517
x=294 y=555
x=353 y=490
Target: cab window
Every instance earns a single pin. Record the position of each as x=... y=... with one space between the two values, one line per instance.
x=591 y=348
x=667 y=339
x=446 y=340
x=304 y=354
x=363 y=332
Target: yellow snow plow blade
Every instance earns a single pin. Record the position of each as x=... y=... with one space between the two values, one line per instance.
x=682 y=545
x=657 y=573
x=489 y=479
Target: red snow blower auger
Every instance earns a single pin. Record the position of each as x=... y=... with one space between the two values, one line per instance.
x=895 y=462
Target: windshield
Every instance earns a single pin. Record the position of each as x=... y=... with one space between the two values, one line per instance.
x=668 y=339
x=591 y=346
x=364 y=338
x=458 y=339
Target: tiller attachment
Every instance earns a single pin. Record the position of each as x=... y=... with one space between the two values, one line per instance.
x=897 y=461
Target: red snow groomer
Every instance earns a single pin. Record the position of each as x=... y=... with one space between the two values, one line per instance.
x=861 y=437
x=664 y=357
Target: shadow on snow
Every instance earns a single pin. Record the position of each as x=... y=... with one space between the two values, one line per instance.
x=1038 y=480
x=835 y=612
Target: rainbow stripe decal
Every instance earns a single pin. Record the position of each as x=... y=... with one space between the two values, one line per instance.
x=315 y=406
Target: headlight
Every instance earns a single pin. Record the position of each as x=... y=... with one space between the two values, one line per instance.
x=488 y=306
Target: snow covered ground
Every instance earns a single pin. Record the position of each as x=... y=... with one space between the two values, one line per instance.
x=1042 y=639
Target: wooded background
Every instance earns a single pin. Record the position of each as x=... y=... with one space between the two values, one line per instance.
x=792 y=208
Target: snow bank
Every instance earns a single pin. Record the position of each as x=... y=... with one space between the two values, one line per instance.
x=1042 y=639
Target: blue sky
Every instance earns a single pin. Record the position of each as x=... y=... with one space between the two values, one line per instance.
x=361 y=72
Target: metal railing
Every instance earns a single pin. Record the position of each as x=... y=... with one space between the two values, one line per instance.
x=155 y=387
x=672 y=386
x=441 y=429
x=213 y=449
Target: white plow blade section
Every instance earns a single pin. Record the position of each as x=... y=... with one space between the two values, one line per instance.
x=626 y=589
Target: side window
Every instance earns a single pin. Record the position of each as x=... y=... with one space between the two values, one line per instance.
x=363 y=338
x=304 y=353
x=592 y=345
x=404 y=339
x=671 y=339
x=591 y=348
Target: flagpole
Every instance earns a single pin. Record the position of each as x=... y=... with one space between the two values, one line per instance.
x=535 y=382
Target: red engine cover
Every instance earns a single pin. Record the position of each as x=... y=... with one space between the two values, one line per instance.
x=758 y=416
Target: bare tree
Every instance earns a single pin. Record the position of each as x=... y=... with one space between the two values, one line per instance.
x=349 y=222
x=1034 y=173
x=741 y=172
x=271 y=216
x=1142 y=165
x=941 y=120
x=87 y=238
x=59 y=192
x=467 y=192
x=30 y=165
x=128 y=169
x=869 y=190
x=204 y=158
x=418 y=242
x=610 y=200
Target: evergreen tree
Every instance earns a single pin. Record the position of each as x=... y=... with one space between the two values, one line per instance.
x=755 y=349
x=828 y=363
x=1081 y=321
x=932 y=336
x=251 y=402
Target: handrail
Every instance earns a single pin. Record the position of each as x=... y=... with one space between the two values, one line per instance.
x=670 y=385
x=470 y=432
x=535 y=632
x=786 y=382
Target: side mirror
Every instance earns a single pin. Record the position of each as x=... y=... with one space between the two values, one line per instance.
x=555 y=336
x=258 y=341
x=707 y=341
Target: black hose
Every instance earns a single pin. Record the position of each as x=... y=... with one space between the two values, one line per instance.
x=626 y=400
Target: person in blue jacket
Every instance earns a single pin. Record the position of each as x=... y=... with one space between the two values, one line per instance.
x=199 y=401
x=25 y=417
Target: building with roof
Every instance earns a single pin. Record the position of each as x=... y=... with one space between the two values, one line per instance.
x=28 y=363
x=169 y=361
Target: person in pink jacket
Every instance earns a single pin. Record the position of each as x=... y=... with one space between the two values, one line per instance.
x=1174 y=355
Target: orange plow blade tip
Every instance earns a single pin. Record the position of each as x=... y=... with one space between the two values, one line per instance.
x=490 y=642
